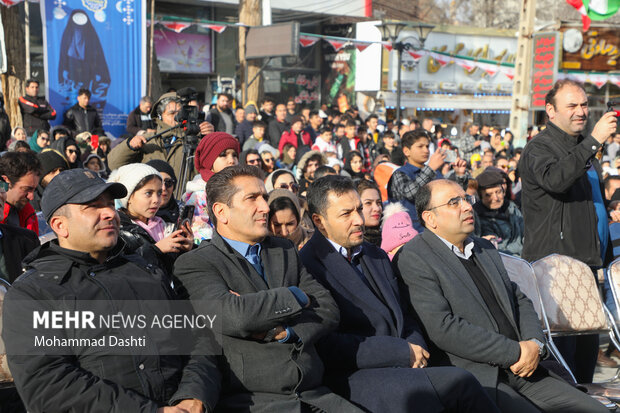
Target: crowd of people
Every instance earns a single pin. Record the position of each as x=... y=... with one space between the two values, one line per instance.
x=356 y=260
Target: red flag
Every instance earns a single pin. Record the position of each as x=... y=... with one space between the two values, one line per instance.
x=215 y=27
x=585 y=20
x=306 y=41
x=361 y=46
x=336 y=44
x=176 y=26
x=416 y=55
x=388 y=46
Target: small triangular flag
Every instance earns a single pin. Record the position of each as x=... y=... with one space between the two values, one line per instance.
x=388 y=46
x=361 y=46
x=336 y=44
x=176 y=26
x=215 y=27
x=306 y=41
x=416 y=55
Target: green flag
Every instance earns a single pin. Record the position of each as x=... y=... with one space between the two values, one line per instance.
x=601 y=9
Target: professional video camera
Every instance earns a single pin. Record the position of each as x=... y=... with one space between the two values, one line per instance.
x=190 y=116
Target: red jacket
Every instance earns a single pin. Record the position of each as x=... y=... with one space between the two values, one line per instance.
x=290 y=137
x=27 y=217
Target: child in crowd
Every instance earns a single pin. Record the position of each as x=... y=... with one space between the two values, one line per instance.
x=142 y=231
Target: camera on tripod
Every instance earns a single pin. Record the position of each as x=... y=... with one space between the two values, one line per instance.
x=190 y=116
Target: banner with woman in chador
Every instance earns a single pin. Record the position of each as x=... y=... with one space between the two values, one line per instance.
x=98 y=45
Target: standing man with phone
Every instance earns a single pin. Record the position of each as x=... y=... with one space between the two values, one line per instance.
x=563 y=207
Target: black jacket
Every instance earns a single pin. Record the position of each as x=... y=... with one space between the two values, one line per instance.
x=78 y=119
x=135 y=122
x=91 y=380
x=36 y=112
x=558 y=211
x=138 y=241
x=215 y=118
x=17 y=243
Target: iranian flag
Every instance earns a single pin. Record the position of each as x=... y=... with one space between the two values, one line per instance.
x=594 y=10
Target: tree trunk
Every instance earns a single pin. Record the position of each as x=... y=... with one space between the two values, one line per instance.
x=13 y=79
x=250 y=13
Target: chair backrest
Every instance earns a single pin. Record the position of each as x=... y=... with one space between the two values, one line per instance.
x=522 y=273
x=5 y=374
x=570 y=295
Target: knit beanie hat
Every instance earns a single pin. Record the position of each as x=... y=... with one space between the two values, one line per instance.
x=489 y=179
x=210 y=148
x=130 y=176
x=397 y=228
x=162 y=166
x=51 y=160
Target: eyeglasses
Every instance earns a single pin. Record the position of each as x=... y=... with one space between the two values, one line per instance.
x=269 y=160
x=252 y=161
x=456 y=202
x=293 y=187
x=72 y=151
x=169 y=183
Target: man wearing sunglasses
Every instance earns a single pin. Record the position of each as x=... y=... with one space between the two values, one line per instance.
x=474 y=316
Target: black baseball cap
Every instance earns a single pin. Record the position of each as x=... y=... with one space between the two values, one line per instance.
x=76 y=186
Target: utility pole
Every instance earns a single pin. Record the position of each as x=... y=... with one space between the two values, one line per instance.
x=520 y=108
x=251 y=14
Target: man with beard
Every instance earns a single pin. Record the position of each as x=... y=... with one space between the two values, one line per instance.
x=22 y=171
x=377 y=357
x=562 y=197
x=221 y=117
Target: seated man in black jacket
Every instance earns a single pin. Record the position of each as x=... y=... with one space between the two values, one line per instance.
x=84 y=265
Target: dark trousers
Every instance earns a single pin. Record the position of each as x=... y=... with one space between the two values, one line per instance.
x=401 y=389
x=542 y=393
x=580 y=353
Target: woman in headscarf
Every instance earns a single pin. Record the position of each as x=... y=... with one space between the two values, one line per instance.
x=69 y=148
x=285 y=217
x=39 y=140
x=354 y=165
x=215 y=152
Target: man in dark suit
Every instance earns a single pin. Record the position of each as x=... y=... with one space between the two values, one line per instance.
x=273 y=311
x=473 y=314
x=377 y=356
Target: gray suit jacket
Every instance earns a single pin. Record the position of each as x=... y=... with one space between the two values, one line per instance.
x=453 y=313
x=259 y=376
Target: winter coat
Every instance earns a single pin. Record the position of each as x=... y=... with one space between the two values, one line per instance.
x=36 y=113
x=558 y=210
x=505 y=223
x=92 y=379
x=78 y=120
x=136 y=122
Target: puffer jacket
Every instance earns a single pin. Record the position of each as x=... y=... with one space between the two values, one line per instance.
x=505 y=223
x=92 y=380
x=138 y=241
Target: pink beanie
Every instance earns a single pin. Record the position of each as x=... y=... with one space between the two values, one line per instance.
x=397 y=228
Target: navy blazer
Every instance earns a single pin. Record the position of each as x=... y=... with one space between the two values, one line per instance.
x=374 y=328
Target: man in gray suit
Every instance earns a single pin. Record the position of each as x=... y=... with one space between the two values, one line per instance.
x=475 y=317
x=273 y=311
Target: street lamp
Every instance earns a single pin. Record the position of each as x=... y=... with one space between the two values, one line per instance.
x=390 y=30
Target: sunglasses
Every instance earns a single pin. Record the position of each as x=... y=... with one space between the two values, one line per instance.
x=268 y=160
x=292 y=187
x=252 y=161
x=169 y=183
x=72 y=151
